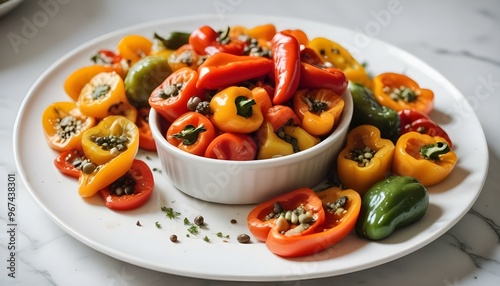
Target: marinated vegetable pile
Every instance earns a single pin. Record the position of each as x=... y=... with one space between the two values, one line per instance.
x=254 y=93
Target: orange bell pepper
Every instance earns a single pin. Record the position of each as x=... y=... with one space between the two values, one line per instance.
x=341 y=209
x=398 y=91
x=101 y=93
x=111 y=147
x=427 y=158
x=192 y=132
x=262 y=98
x=366 y=158
x=63 y=126
x=281 y=115
x=75 y=82
x=318 y=109
x=272 y=213
x=134 y=47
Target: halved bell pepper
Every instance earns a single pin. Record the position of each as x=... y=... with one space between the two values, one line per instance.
x=170 y=98
x=365 y=160
x=426 y=158
x=134 y=47
x=111 y=147
x=414 y=120
x=390 y=204
x=339 y=57
x=287 y=66
x=191 y=132
x=63 y=125
x=367 y=110
x=318 y=109
x=75 y=82
x=270 y=145
x=232 y=146
x=398 y=91
x=185 y=56
x=341 y=209
x=98 y=96
x=277 y=212
x=146 y=140
x=223 y=69
x=234 y=110
x=299 y=138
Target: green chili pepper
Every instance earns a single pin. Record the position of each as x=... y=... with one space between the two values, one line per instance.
x=390 y=204
x=367 y=110
x=174 y=40
x=143 y=77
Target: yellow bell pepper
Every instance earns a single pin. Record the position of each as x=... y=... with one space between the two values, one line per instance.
x=366 y=158
x=298 y=137
x=234 y=110
x=341 y=58
x=319 y=110
x=63 y=125
x=270 y=145
x=427 y=158
x=110 y=147
x=134 y=47
x=98 y=96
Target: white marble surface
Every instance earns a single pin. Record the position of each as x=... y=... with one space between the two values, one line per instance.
x=458 y=38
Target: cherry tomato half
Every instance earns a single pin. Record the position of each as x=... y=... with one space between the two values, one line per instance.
x=140 y=178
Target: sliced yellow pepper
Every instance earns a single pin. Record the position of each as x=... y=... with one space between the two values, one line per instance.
x=302 y=140
x=366 y=158
x=270 y=145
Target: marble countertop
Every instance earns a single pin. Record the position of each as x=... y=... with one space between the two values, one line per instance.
x=458 y=38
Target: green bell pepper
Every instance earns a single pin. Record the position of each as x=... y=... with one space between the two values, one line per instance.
x=143 y=77
x=174 y=40
x=390 y=204
x=367 y=110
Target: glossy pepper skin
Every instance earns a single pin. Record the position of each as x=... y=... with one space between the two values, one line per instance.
x=286 y=56
x=391 y=204
x=318 y=109
x=109 y=165
x=367 y=110
x=191 y=132
x=134 y=47
x=270 y=145
x=336 y=226
x=427 y=158
x=234 y=110
x=223 y=69
x=206 y=41
x=398 y=91
x=414 y=120
x=358 y=175
x=64 y=124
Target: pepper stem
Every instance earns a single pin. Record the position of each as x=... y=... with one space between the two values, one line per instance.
x=244 y=106
x=432 y=151
x=189 y=134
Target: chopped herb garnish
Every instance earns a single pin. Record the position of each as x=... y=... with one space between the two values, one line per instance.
x=170 y=213
x=206 y=239
x=193 y=228
x=157 y=224
x=219 y=234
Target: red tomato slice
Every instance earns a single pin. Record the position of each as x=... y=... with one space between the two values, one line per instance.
x=67 y=162
x=141 y=174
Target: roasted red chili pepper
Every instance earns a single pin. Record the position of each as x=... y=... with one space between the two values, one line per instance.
x=414 y=120
x=315 y=77
x=287 y=67
x=207 y=41
x=222 y=70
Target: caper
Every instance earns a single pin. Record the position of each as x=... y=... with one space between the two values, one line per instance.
x=199 y=220
x=88 y=168
x=173 y=238
x=243 y=238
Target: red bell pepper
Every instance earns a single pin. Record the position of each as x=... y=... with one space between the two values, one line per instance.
x=232 y=146
x=170 y=98
x=192 y=132
x=224 y=69
x=207 y=41
x=287 y=67
x=315 y=77
x=414 y=120
x=146 y=140
x=342 y=209
x=266 y=215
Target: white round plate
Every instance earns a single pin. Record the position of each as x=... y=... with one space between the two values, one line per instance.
x=116 y=233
